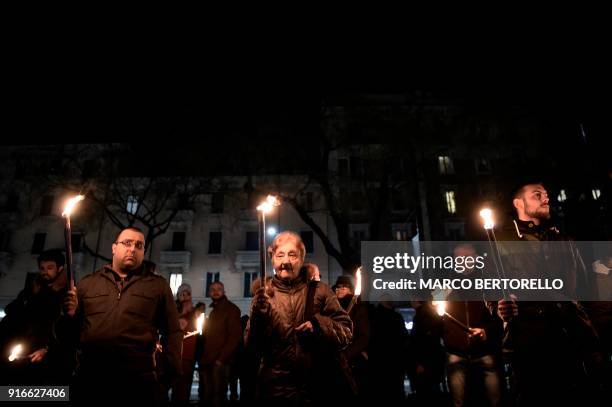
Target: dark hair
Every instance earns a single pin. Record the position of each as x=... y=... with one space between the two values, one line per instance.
x=134 y=228
x=517 y=191
x=218 y=283
x=55 y=255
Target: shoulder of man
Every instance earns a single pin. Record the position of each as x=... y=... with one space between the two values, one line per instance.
x=233 y=307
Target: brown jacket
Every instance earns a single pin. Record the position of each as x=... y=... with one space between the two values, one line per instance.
x=119 y=324
x=222 y=333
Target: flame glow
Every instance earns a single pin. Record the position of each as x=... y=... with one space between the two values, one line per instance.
x=487 y=215
x=71 y=204
x=440 y=307
x=17 y=349
x=358 y=281
x=200 y=323
x=267 y=205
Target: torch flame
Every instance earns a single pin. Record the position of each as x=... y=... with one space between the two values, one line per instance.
x=440 y=307
x=270 y=202
x=487 y=216
x=200 y=323
x=71 y=204
x=17 y=349
x=358 y=281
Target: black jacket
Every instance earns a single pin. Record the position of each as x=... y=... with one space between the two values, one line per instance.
x=287 y=367
x=118 y=322
x=543 y=326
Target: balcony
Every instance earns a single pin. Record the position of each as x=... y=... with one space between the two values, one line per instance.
x=246 y=259
x=175 y=259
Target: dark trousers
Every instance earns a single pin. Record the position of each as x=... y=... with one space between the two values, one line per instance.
x=215 y=384
x=181 y=389
x=462 y=370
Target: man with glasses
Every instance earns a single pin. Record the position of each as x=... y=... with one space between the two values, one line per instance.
x=115 y=316
x=297 y=327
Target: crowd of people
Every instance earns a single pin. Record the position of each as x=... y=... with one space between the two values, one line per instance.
x=120 y=334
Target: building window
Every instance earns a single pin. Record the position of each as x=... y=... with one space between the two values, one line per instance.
x=175 y=281
x=400 y=231
x=445 y=165
x=214 y=243
x=216 y=205
x=449 y=197
x=210 y=278
x=562 y=197
x=359 y=232
x=178 y=241
x=252 y=241
x=308 y=239
x=46 y=207
x=249 y=278
x=132 y=204
x=596 y=194
x=77 y=242
x=39 y=243
x=357 y=204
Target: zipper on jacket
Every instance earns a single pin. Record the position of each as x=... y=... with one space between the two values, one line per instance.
x=120 y=287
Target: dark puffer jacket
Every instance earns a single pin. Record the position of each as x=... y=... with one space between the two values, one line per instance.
x=289 y=366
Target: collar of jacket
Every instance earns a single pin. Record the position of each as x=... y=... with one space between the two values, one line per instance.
x=109 y=273
x=541 y=231
x=287 y=285
x=219 y=301
x=344 y=302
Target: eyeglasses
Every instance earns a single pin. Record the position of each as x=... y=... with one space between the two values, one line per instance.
x=291 y=255
x=129 y=243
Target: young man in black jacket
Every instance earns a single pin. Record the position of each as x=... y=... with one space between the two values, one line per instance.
x=548 y=341
x=30 y=320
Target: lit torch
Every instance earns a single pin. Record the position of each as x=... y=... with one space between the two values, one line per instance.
x=199 y=326
x=357 y=291
x=72 y=202
x=265 y=207
x=15 y=353
x=489 y=225
x=200 y=322
x=441 y=310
